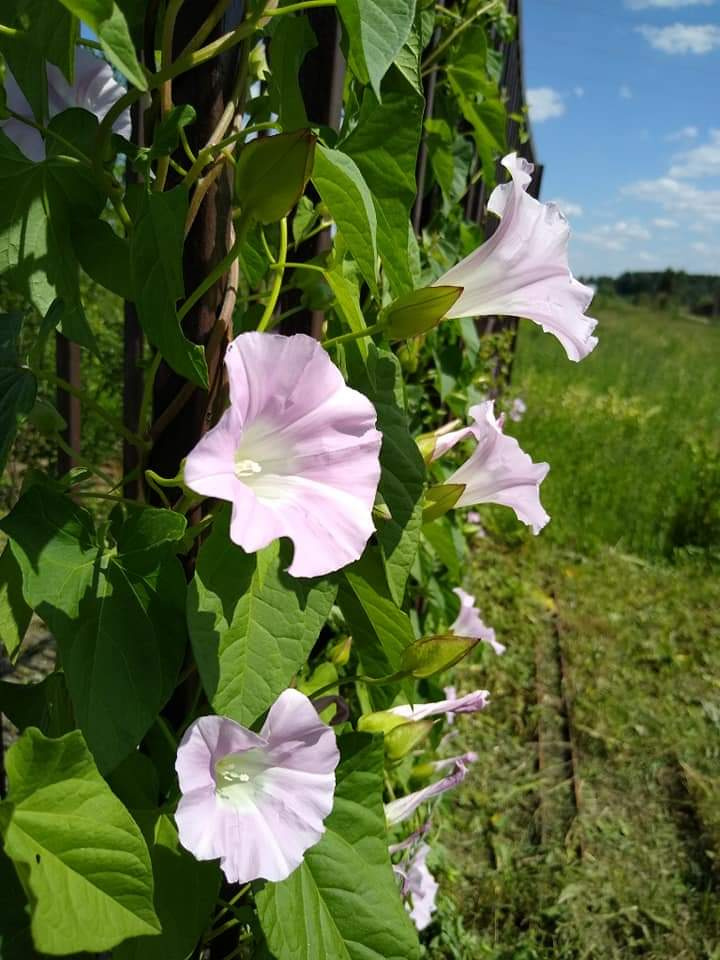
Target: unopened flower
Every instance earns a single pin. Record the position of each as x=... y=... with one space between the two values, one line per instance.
x=296 y=453
x=470 y=703
x=518 y=409
x=498 y=471
x=95 y=89
x=522 y=270
x=469 y=624
x=421 y=888
x=398 y=810
x=256 y=801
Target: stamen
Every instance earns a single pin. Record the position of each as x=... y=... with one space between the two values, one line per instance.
x=246 y=468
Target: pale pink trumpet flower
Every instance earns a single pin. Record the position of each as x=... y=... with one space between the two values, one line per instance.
x=498 y=470
x=522 y=270
x=470 y=703
x=94 y=89
x=399 y=810
x=256 y=801
x=296 y=453
x=469 y=623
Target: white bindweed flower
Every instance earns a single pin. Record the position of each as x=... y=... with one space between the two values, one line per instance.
x=470 y=703
x=256 y=801
x=498 y=470
x=296 y=453
x=398 y=810
x=469 y=623
x=95 y=89
x=522 y=270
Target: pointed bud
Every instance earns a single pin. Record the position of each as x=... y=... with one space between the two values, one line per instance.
x=440 y=499
x=434 y=654
x=404 y=738
x=272 y=172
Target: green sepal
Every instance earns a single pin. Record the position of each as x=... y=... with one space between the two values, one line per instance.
x=405 y=737
x=419 y=311
x=440 y=499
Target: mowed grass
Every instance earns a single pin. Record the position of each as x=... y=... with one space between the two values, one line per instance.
x=589 y=827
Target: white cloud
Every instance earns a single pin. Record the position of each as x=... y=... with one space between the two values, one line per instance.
x=683 y=37
x=615 y=236
x=544 y=103
x=569 y=208
x=666 y=4
x=686 y=133
x=701 y=247
x=665 y=223
x=579 y=91
x=646 y=257
x=699 y=162
x=625 y=93
x=685 y=200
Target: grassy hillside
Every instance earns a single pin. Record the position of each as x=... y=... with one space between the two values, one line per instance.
x=589 y=828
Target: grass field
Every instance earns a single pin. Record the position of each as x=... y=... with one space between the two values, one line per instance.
x=590 y=825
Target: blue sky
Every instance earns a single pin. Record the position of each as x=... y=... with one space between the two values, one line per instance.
x=625 y=111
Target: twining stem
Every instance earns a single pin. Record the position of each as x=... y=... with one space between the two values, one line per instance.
x=297 y=7
x=218 y=271
x=171 y=15
x=355 y=335
x=290 y=265
x=206 y=28
x=148 y=391
x=442 y=47
x=279 y=267
x=81 y=462
x=133 y=438
x=231 y=903
x=356 y=679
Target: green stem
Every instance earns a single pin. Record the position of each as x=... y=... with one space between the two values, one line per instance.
x=81 y=461
x=442 y=47
x=167 y=732
x=241 y=135
x=92 y=44
x=313 y=233
x=228 y=925
x=297 y=7
x=297 y=266
x=240 y=949
x=391 y=678
x=104 y=496
x=131 y=437
x=148 y=391
x=231 y=903
x=168 y=31
x=218 y=271
x=355 y=335
x=279 y=266
x=11 y=32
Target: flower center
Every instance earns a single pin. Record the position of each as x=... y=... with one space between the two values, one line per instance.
x=238 y=775
x=246 y=468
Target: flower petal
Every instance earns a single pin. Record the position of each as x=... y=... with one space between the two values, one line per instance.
x=499 y=471
x=470 y=703
x=422 y=888
x=469 y=624
x=522 y=270
x=398 y=810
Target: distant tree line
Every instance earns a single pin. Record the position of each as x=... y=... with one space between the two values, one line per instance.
x=698 y=293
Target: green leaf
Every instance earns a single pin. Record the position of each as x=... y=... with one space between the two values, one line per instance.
x=252 y=626
x=186 y=891
x=272 y=172
x=82 y=856
x=440 y=537
x=43 y=200
x=156 y=262
x=15 y=938
x=104 y=256
x=377 y=30
x=347 y=298
x=45 y=705
x=15 y=614
x=419 y=311
x=107 y=20
x=167 y=135
x=18 y=385
x=402 y=479
x=381 y=631
x=291 y=41
x=343 y=901
x=341 y=186
x=117 y=616
x=384 y=146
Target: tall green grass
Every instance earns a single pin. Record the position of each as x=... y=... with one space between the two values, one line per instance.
x=632 y=433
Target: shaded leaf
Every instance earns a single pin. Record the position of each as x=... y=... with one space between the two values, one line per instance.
x=377 y=30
